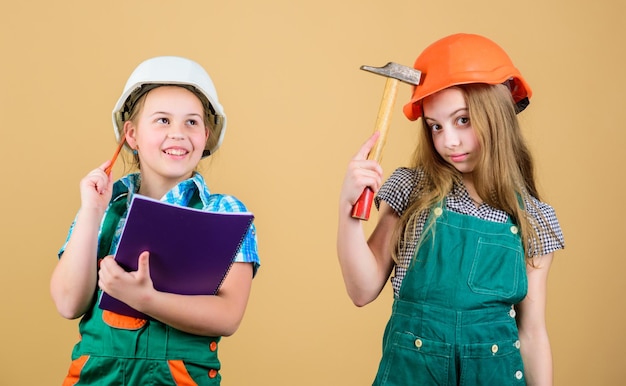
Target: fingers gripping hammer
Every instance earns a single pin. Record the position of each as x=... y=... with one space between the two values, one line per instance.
x=395 y=73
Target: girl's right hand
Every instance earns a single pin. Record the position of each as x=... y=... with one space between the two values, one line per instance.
x=96 y=189
x=361 y=173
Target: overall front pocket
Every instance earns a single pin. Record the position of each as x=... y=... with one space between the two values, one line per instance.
x=498 y=269
x=497 y=363
x=410 y=359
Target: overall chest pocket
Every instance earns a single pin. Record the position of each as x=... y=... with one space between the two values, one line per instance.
x=498 y=269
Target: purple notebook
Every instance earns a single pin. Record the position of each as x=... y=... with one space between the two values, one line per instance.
x=191 y=250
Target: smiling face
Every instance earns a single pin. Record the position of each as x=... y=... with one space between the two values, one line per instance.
x=169 y=135
x=447 y=115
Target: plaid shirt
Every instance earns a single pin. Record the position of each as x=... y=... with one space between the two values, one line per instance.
x=398 y=190
x=181 y=194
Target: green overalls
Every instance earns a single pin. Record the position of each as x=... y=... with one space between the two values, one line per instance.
x=453 y=322
x=119 y=350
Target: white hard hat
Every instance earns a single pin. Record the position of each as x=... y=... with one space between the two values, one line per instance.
x=172 y=70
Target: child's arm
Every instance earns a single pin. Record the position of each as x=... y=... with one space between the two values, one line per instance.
x=531 y=321
x=73 y=280
x=365 y=264
x=207 y=315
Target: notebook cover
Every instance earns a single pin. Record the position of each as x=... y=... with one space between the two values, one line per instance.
x=191 y=250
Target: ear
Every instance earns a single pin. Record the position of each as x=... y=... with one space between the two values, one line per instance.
x=130 y=131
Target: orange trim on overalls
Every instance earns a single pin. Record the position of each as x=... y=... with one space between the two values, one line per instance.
x=73 y=374
x=180 y=374
x=122 y=321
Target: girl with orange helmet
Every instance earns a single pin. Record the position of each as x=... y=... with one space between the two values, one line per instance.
x=170 y=117
x=462 y=232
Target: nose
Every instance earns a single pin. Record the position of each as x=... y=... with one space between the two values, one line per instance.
x=451 y=138
x=176 y=131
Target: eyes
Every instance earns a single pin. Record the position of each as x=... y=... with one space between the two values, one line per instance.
x=434 y=127
x=459 y=122
x=188 y=122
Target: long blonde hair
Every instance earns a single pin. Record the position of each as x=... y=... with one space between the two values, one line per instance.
x=503 y=177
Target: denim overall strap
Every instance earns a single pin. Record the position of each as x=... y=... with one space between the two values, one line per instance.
x=453 y=322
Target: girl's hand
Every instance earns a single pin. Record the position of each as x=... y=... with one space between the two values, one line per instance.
x=361 y=173
x=96 y=189
x=133 y=288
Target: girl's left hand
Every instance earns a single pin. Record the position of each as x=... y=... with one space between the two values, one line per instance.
x=132 y=288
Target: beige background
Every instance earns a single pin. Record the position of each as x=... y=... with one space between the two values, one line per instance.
x=288 y=75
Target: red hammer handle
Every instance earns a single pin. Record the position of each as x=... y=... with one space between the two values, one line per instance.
x=362 y=207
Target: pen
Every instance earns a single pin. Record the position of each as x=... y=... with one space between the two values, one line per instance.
x=117 y=151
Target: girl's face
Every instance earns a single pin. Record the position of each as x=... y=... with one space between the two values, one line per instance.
x=447 y=116
x=169 y=135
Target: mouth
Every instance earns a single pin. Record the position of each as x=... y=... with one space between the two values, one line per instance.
x=458 y=157
x=178 y=152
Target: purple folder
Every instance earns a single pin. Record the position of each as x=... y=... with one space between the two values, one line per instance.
x=191 y=250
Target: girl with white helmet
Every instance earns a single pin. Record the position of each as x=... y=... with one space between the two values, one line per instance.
x=170 y=117
x=462 y=230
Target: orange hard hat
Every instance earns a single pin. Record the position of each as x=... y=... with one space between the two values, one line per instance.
x=462 y=59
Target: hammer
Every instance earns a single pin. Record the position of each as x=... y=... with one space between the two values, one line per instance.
x=395 y=73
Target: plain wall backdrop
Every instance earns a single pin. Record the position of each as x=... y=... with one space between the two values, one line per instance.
x=287 y=73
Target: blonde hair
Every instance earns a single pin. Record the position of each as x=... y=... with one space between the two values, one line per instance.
x=503 y=176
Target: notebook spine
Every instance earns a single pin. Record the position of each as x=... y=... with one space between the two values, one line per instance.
x=225 y=273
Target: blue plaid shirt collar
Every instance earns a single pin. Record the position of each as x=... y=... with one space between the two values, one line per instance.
x=179 y=195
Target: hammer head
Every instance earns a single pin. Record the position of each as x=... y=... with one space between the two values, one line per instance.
x=397 y=71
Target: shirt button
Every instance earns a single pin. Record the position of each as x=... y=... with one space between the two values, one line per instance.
x=494 y=348
x=512 y=313
x=418 y=343
x=438 y=211
x=517 y=344
x=514 y=230
x=518 y=374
